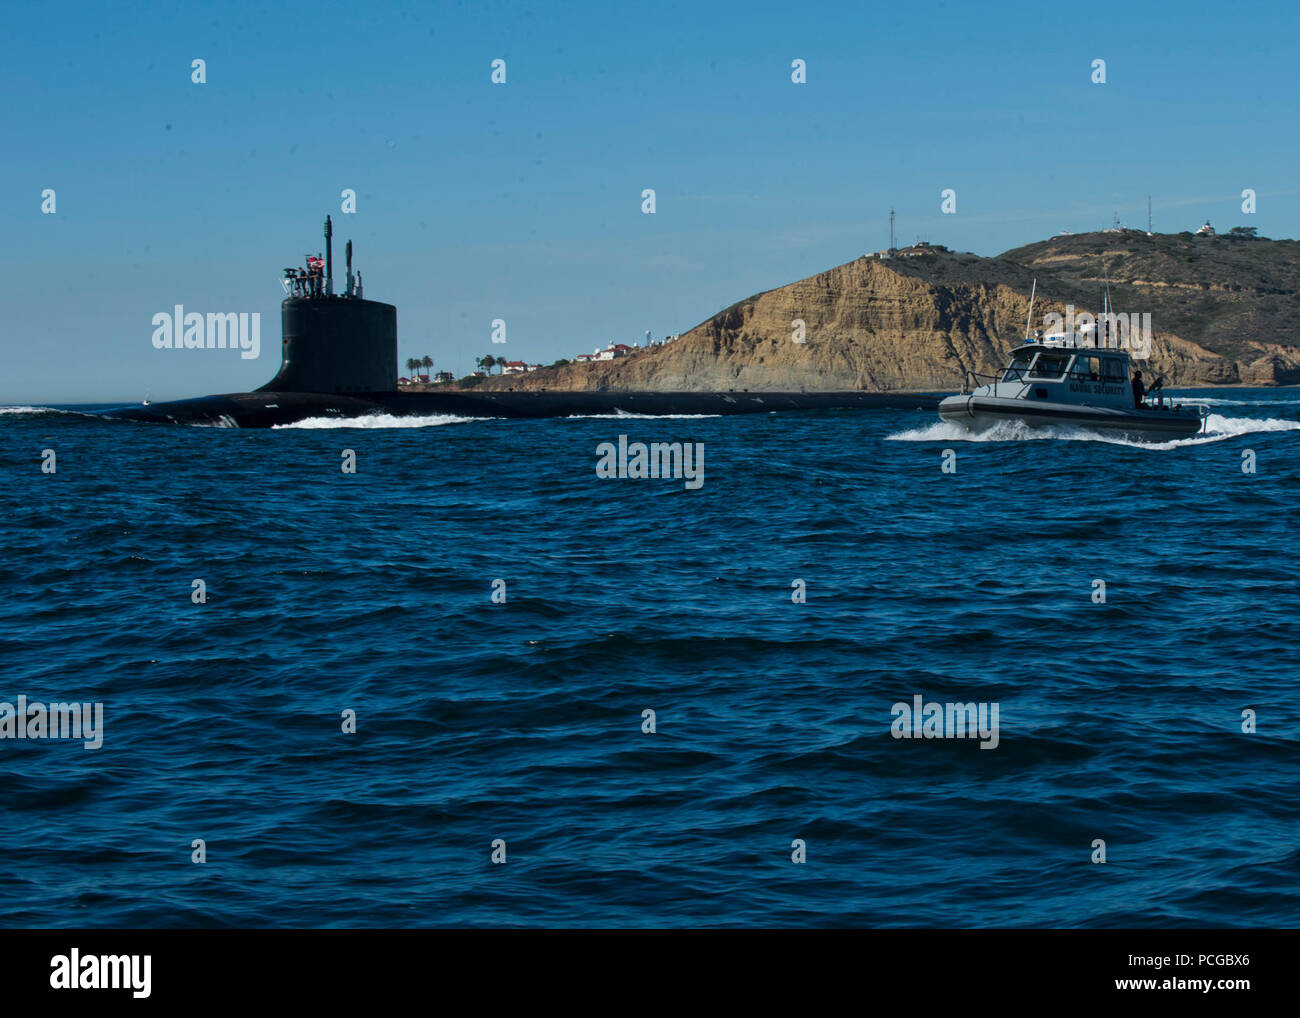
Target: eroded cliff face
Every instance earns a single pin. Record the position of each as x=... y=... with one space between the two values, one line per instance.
x=905 y=324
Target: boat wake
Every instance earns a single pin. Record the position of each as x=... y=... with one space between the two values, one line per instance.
x=1217 y=429
x=1276 y=402
x=375 y=421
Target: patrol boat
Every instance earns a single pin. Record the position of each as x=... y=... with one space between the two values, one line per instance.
x=1070 y=379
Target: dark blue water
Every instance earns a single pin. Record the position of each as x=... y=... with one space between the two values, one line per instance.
x=522 y=721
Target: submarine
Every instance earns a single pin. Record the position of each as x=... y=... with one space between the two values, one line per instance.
x=339 y=360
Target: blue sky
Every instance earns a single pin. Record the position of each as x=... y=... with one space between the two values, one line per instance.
x=522 y=201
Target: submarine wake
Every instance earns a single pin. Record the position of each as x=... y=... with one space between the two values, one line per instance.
x=623 y=415
x=31 y=410
x=380 y=421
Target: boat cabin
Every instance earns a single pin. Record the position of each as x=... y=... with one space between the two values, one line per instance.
x=1066 y=374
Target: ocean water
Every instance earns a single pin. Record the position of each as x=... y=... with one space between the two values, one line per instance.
x=523 y=721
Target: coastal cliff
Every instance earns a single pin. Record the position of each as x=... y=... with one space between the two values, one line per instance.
x=1223 y=312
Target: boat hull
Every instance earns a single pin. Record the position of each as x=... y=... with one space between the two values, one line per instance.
x=979 y=413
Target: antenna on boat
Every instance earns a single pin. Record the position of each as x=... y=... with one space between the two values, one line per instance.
x=1105 y=303
x=1030 y=317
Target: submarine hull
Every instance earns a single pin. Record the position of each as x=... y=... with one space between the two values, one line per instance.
x=247 y=409
x=266 y=409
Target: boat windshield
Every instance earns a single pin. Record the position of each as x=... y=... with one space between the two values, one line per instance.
x=1019 y=365
x=1086 y=368
x=1049 y=365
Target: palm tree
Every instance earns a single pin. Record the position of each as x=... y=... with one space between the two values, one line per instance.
x=501 y=363
x=410 y=367
x=486 y=363
x=426 y=362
